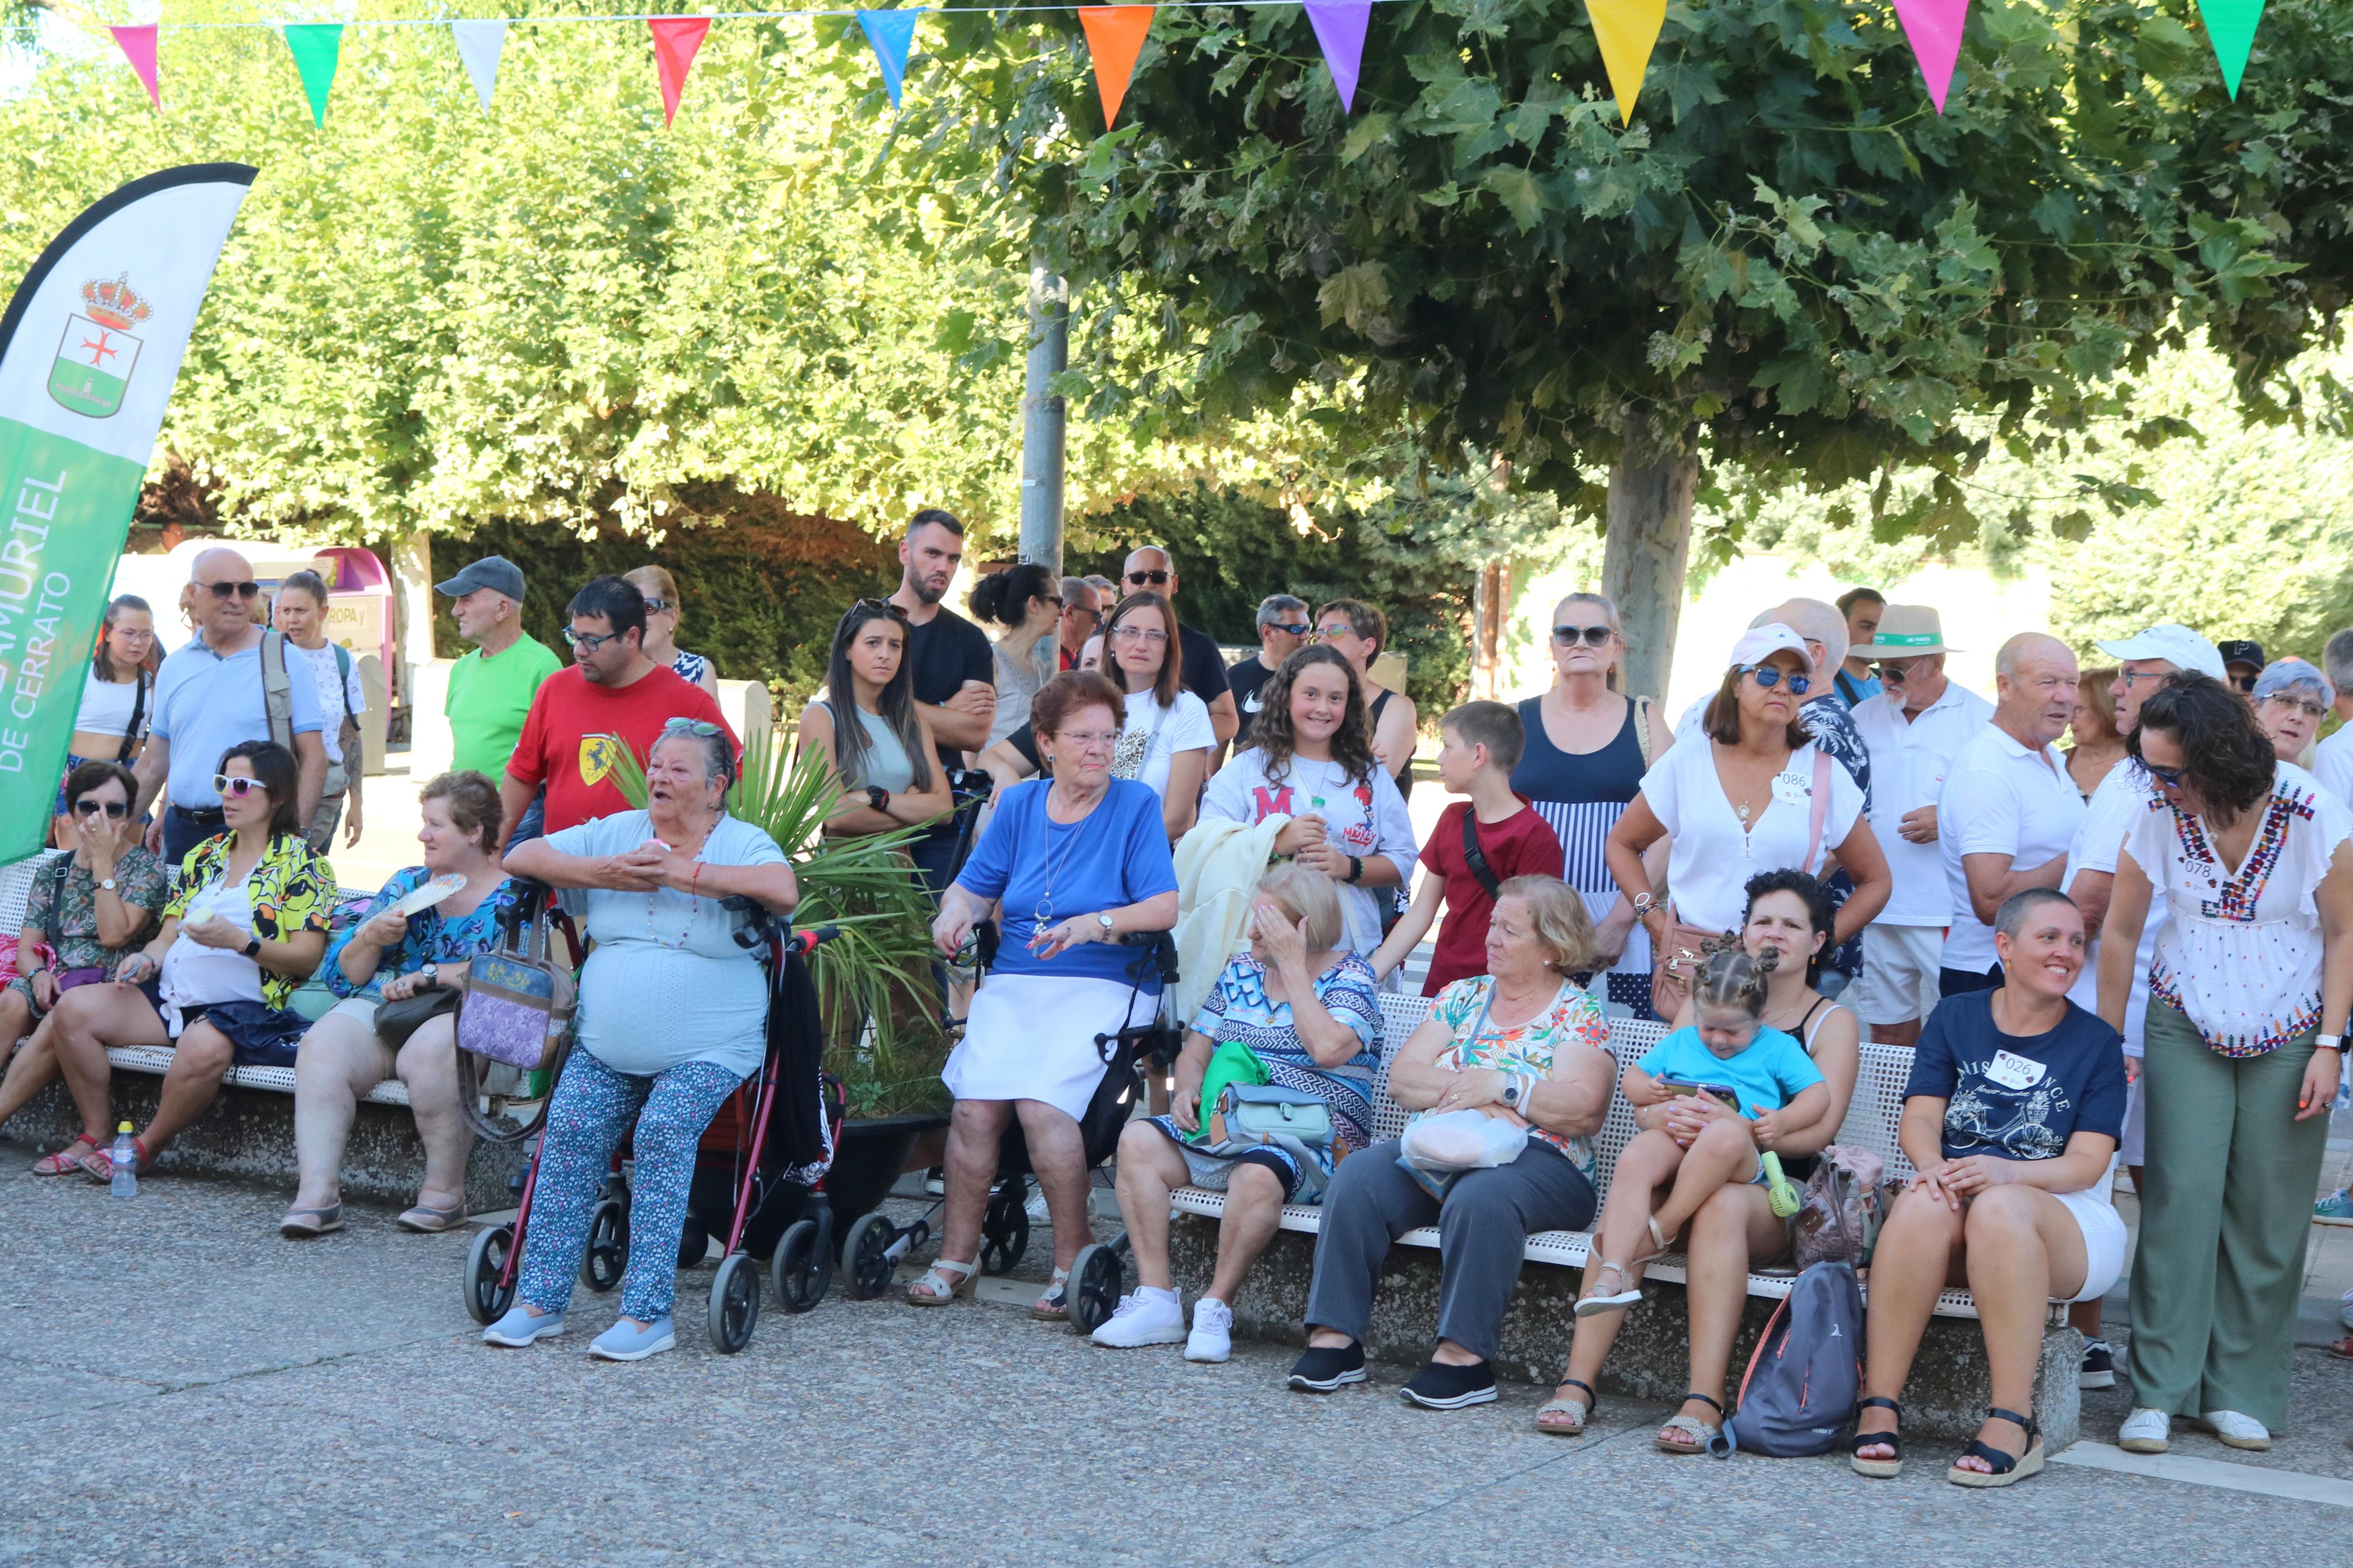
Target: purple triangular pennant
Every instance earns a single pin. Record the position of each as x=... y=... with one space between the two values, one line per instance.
x=1340 y=28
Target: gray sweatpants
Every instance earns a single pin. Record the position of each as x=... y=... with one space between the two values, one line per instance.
x=1486 y=1219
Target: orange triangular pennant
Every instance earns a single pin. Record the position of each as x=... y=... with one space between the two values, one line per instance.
x=1115 y=37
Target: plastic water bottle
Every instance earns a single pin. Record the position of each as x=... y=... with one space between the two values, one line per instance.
x=125 y=1158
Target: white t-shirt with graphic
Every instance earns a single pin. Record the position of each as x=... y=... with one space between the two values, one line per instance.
x=326 y=675
x=1360 y=819
x=1182 y=726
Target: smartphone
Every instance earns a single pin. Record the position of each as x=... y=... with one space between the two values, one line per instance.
x=1724 y=1092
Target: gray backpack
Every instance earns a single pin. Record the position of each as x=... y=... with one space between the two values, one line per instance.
x=1801 y=1384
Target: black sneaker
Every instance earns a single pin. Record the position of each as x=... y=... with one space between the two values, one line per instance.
x=1322 y=1370
x=2099 y=1369
x=1441 y=1388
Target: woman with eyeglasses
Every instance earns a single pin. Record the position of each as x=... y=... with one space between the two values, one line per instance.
x=91 y=908
x=1755 y=795
x=2248 y=996
x=245 y=925
x=661 y=590
x=116 y=699
x=1589 y=745
x=672 y=1016
x=2291 y=698
x=1358 y=633
x=1027 y=601
x=889 y=773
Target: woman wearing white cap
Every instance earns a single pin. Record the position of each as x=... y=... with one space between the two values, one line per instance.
x=1758 y=796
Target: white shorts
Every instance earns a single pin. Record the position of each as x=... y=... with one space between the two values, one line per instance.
x=1900 y=973
x=2103 y=1240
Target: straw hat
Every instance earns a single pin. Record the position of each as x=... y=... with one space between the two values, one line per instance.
x=1908 y=631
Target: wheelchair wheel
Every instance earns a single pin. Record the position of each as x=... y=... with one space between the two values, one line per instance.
x=734 y=1303
x=1005 y=1231
x=803 y=1268
x=606 y=1257
x=486 y=1300
x=1095 y=1278
x=867 y=1255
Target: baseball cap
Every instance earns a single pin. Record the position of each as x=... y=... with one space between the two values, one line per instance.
x=493 y=571
x=1758 y=644
x=2242 y=650
x=2172 y=642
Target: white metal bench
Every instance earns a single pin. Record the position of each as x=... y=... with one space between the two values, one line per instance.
x=1871 y=1121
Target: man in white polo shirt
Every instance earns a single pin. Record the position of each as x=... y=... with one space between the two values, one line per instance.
x=2009 y=810
x=1913 y=729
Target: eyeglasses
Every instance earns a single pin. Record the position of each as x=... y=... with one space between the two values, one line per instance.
x=1289 y=628
x=117 y=809
x=1332 y=634
x=690 y=726
x=1768 y=677
x=225 y=591
x=2169 y=777
x=237 y=788
x=592 y=641
x=1595 y=636
x=2129 y=676
x=1086 y=740
x=1149 y=635
x=1153 y=579
x=2302 y=705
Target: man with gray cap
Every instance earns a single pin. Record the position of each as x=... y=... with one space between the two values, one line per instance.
x=490 y=688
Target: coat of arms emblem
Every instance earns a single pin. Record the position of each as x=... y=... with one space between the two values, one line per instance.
x=95 y=356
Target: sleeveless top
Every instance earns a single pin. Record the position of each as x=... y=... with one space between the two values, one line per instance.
x=887 y=766
x=1582 y=794
x=1799 y=1168
x=690 y=667
x=1372 y=722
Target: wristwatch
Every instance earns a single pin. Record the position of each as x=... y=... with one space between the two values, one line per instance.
x=1105 y=916
x=2329 y=1042
x=1355 y=868
x=877 y=797
x=107 y=883
x=431 y=975
x=1511 y=1093
x=253 y=949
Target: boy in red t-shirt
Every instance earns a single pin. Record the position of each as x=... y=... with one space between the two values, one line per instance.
x=1480 y=744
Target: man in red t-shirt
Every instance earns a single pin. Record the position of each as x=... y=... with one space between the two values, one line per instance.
x=612 y=696
x=1480 y=744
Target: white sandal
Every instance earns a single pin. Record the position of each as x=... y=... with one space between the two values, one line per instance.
x=1594 y=1306
x=943 y=1282
x=1054 y=1306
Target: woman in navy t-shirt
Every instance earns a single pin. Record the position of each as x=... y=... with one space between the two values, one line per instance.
x=2012 y=1117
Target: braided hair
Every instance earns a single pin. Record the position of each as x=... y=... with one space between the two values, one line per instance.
x=1731 y=978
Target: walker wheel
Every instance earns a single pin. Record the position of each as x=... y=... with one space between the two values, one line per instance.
x=606 y=1257
x=1005 y=1231
x=867 y=1254
x=802 y=1269
x=1095 y=1278
x=734 y=1303
x=486 y=1300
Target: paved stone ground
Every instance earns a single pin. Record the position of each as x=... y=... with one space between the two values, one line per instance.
x=182 y=1386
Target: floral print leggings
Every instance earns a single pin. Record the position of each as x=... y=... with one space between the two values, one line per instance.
x=593 y=1107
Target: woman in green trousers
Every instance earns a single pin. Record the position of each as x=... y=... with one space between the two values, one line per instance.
x=2249 y=991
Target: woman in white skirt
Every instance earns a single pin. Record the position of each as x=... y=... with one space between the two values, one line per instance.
x=2010 y=1118
x=1070 y=864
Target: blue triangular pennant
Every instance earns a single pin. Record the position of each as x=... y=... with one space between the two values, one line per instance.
x=890 y=32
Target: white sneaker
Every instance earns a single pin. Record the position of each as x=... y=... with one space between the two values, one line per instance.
x=1212 y=1338
x=2144 y=1431
x=1144 y=1318
x=1036 y=1209
x=2237 y=1431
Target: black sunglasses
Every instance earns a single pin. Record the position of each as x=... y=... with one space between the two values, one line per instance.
x=1595 y=636
x=233 y=590
x=1293 y=628
x=116 y=809
x=2243 y=682
x=1155 y=578
x=882 y=608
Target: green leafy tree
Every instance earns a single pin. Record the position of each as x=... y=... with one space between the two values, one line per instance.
x=1788 y=265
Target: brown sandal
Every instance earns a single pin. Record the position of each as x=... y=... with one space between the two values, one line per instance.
x=66 y=1161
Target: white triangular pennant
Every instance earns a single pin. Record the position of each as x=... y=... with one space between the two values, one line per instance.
x=478 y=43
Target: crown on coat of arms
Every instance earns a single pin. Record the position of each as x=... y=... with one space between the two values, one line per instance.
x=116 y=304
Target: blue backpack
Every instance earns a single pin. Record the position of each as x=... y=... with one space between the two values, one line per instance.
x=1801 y=1384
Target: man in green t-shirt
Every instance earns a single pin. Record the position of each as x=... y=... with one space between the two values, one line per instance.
x=490 y=688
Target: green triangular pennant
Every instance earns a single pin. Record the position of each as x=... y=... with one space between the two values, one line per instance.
x=315 y=46
x=2231 y=28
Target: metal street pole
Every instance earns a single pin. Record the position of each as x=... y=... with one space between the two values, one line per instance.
x=1042 y=417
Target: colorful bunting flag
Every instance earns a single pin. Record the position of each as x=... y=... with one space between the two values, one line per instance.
x=1627 y=30
x=480 y=44
x=1115 y=37
x=138 y=47
x=2231 y=28
x=1340 y=29
x=1934 y=27
x=890 y=32
x=316 y=46
x=677 y=40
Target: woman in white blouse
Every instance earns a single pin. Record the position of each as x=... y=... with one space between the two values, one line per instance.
x=1757 y=795
x=2249 y=991
x=111 y=724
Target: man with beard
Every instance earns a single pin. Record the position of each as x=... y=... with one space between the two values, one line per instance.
x=953 y=672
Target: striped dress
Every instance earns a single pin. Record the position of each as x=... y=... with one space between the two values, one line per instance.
x=1582 y=794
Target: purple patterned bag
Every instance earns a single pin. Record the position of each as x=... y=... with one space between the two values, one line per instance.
x=516 y=1010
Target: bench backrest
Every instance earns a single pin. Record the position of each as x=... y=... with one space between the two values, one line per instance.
x=1871 y=1118
x=17 y=880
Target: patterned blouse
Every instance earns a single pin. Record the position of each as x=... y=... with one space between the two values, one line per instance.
x=1572 y=1019
x=432 y=937
x=293 y=891
x=71 y=928
x=1238 y=1008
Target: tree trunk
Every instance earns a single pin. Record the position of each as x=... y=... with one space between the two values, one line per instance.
x=412 y=607
x=1648 y=547
x=1491 y=602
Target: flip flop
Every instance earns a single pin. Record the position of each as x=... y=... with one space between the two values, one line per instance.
x=1054 y=1306
x=303 y=1224
x=68 y=1159
x=427 y=1220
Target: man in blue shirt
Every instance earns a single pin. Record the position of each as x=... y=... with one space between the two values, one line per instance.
x=209 y=697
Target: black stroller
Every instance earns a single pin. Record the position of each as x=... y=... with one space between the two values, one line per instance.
x=875 y=1246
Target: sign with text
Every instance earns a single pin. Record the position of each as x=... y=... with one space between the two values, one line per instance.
x=88 y=350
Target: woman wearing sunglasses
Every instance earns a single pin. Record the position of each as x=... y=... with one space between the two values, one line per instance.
x=246 y=925
x=91 y=908
x=2291 y=698
x=661 y=590
x=2248 y=996
x=1751 y=793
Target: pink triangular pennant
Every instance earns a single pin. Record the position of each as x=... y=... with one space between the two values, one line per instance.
x=676 y=41
x=1934 y=27
x=138 y=47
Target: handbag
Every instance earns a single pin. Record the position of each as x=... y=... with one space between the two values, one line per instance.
x=1838 y=1216
x=1679 y=956
x=1268 y=1116
x=516 y=1004
x=395 y=1021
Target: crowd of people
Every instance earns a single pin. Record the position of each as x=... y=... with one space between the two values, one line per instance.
x=2134 y=952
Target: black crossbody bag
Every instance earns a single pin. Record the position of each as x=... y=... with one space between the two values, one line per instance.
x=1475 y=858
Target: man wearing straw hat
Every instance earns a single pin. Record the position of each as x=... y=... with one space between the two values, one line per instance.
x=1912 y=730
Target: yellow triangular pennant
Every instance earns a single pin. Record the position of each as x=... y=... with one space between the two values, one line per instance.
x=1627 y=31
